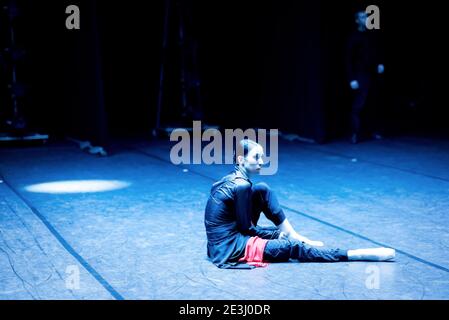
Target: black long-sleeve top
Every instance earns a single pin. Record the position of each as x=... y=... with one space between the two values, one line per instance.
x=364 y=52
x=228 y=220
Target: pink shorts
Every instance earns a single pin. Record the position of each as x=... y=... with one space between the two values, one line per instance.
x=254 y=252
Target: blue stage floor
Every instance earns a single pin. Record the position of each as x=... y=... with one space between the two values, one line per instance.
x=146 y=240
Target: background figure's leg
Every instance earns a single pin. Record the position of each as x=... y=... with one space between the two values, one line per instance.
x=377 y=109
x=264 y=200
x=358 y=104
x=283 y=250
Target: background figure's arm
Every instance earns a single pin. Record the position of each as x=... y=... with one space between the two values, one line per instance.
x=350 y=58
x=349 y=62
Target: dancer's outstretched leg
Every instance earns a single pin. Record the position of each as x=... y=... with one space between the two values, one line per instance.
x=283 y=250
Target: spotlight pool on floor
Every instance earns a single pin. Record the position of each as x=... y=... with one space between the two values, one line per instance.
x=77 y=186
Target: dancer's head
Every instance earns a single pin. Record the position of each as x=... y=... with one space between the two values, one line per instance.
x=360 y=20
x=249 y=156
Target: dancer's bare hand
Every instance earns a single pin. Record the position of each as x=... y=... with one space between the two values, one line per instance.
x=296 y=236
x=283 y=236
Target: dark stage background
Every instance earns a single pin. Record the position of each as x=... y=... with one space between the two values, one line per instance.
x=271 y=64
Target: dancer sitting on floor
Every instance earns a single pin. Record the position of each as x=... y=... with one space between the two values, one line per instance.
x=234 y=240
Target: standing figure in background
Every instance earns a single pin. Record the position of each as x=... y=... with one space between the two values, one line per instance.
x=365 y=68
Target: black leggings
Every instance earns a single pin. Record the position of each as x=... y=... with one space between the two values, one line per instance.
x=368 y=100
x=283 y=250
x=265 y=200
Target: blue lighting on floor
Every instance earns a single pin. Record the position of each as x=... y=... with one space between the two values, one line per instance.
x=77 y=186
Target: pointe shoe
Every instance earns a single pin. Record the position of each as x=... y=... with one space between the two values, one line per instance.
x=371 y=254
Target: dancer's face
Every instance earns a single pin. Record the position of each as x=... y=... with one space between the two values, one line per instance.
x=253 y=161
